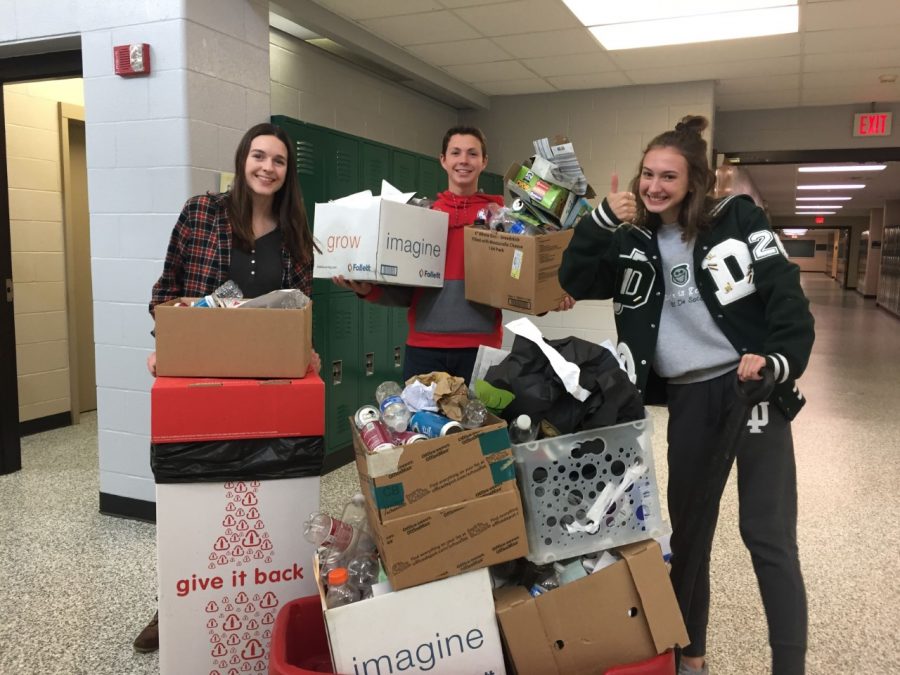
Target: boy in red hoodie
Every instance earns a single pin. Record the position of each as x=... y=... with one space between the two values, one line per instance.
x=445 y=329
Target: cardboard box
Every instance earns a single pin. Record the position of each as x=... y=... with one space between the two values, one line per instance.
x=232 y=342
x=441 y=471
x=446 y=628
x=229 y=556
x=186 y=409
x=381 y=241
x=445 y=506
x=514 y=272
x=624 y=613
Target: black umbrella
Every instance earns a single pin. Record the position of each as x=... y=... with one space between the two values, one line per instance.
x=700 y=511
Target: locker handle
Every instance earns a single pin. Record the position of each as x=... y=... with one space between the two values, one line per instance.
x=398 y=357
x=370 y=363
x=337 y=371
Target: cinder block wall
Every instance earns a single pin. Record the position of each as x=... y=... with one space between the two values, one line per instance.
x=31 y=113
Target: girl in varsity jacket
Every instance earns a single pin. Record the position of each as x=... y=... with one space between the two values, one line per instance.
x=702 y=291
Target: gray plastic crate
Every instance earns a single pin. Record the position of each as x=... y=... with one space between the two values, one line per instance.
x=561 y=478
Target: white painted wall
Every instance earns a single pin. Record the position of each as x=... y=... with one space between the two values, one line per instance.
x=151 y=143
x=313 y=86
x=808 y=128
x=610 y=129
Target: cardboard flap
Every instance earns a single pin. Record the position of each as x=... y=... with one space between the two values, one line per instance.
x=657 y=596
x=522 y=629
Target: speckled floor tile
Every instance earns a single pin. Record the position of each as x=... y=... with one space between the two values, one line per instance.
x=76 y=586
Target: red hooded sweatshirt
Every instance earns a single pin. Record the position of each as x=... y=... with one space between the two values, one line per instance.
x=442 y=317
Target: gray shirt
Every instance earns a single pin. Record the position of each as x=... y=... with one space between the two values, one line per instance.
x=690 y=347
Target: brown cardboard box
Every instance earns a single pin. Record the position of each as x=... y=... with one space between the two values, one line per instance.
x=441 y=471
x=232 y=342
x=624 y=613
x=443 y=506
x=452 y=539
x=515 y=272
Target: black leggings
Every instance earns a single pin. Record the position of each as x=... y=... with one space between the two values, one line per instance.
x=458 y=361
x=767 y=494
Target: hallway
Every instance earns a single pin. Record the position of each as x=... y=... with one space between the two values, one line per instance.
x=78 y=586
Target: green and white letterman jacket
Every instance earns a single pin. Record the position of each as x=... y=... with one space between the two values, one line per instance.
x=744 y=277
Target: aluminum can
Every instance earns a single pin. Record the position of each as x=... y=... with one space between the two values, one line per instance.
x=376 y=436
x=366 y=414
x=407 y=437
x=433 y=425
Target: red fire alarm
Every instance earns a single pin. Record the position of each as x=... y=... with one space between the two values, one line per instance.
x=132 y=59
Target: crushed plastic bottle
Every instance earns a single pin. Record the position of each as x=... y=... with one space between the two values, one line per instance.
x=474 y=414
x=363 y=571
x=333 y=536
x=355 y=515
x=340 y=589
x=283 y=298
x=394 y=411
x=521 y=430
x=227 y=295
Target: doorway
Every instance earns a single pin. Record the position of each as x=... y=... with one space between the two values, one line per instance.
x=60 y=64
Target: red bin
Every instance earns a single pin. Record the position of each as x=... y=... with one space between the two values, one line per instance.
x=664 y=664
x=299 y=644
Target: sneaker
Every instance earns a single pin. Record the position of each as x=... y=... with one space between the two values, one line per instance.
x=685 y=669
x=148 y=639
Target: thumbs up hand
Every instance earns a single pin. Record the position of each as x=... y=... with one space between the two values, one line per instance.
x=623 y=204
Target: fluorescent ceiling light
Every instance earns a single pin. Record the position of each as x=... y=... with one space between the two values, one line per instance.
x=795 y=231
x=849 y=186
x=824 y=199
x=847 y=167
x=700 y=28
x=814 y=213
x=603 y=12
x=819 y=206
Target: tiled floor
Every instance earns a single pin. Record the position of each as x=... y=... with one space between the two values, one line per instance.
x=76 y=587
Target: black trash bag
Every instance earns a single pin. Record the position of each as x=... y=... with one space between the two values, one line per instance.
x=540 y=394
x=240 y=459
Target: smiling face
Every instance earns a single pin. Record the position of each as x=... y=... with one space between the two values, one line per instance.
x=266 y=166
x=664 y=182
x=463 y=161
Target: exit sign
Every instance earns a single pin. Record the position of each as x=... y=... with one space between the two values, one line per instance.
x=872 y=124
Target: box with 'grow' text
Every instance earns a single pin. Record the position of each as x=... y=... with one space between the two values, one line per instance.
x=382 y=241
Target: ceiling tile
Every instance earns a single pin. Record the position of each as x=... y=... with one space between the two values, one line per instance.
x=571 y=64
x=354 y=9
x=521 y=16
x=758 y=100
x=885 y=59
x=550 y=43
x=761 y=83
x=457 y=53
x=589 y=81
x=843 y=78
x=452 y=4
x=417 y=29
x=850 y=40
x=513 y=87
x=844 y=14
x=488 y=72
x=841 y=95
x=716 y=71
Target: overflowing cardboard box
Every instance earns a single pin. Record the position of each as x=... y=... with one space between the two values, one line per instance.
x=514 y=272
x=446 y=627
x=624 y=613
x=381 y=241
x=185 y=410
x=232 y=342
x=444 y=506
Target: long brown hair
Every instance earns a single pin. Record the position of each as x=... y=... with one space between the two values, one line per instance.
x=693 y=215
x=287 y=205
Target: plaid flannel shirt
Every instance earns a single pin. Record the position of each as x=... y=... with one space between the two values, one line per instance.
x=198 y=259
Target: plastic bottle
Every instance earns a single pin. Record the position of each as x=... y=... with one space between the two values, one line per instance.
x=474 y=414
x=340 y=591
x=363 y=571
x=393 y=410
x=521 y=430
x=569 y=572
x=323 y=530
x=355 y=515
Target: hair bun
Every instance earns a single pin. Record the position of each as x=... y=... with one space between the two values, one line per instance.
x=692 y=124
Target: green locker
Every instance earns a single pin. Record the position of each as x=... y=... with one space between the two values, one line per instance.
x=375 y=161
x=399 y=329
x=432 y=177
x=491 y=183
x=341 y=370
x=405 y=171
x=375 y=353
